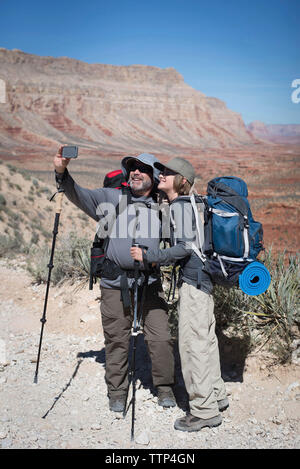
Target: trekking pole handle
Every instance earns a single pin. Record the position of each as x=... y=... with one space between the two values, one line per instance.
x=136 y=245
x=59 y=199
x=141 y=246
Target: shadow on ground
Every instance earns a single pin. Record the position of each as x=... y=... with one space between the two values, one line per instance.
x=233 y=353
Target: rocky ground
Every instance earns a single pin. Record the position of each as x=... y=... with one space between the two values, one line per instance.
x=68 y=407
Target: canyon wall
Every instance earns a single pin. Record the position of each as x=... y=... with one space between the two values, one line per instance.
x=276 y=133
x=110 y=108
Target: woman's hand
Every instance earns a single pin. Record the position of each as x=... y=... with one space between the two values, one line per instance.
x=136 y=253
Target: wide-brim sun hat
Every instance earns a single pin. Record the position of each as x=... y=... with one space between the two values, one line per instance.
x=145 y=158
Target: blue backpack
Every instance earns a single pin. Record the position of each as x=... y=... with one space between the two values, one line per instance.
x=233 y=238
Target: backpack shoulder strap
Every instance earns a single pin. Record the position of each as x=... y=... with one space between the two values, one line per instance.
x=124 y=190
x=198 y=246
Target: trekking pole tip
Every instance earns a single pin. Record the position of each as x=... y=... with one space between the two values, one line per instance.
x=35 y=379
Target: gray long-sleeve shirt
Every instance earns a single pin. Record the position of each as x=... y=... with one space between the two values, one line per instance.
x=182 y=239
x=138 y=220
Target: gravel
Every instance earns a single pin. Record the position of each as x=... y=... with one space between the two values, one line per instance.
x=68 y=407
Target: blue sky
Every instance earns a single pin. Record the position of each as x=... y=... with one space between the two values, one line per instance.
x=244 y=52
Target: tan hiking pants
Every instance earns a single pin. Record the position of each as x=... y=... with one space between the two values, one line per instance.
x=199 y=352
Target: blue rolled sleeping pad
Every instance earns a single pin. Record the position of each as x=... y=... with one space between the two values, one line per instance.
x=255 y=279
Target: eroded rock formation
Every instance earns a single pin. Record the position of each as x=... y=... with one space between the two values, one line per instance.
x=119 y=108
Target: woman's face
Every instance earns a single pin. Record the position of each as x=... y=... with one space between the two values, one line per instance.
x=166 y=179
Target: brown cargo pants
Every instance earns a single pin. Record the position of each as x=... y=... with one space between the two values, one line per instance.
x=117 y=324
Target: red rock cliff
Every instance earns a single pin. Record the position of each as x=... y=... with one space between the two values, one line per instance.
x=115 y=108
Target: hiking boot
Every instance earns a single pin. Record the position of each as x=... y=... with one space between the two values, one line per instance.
x=223 y=404
x=117 y=403
x=165 y=396
x=189 y=423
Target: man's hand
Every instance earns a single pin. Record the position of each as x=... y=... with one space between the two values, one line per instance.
x=136 y=253
x=60 y=163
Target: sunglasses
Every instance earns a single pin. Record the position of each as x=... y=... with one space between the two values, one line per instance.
x=143 y=168
x=168 y=172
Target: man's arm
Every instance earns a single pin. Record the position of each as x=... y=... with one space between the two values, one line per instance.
x=85 y=199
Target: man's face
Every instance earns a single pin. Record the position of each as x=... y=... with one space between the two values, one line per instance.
x=140 y=177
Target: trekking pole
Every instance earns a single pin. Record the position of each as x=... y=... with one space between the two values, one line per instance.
x=134 y=334
x=50 y=266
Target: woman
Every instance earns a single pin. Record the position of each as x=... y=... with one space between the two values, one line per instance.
x=198 y=345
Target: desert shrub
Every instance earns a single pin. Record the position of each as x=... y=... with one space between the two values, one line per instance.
x=12 y=169
x=44 y=190
x=269 y=321
x=25 y=174
x=272 y=319
x=71 y=260
x=7 y=244
x=12 y=244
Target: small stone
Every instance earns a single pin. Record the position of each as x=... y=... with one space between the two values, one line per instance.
x=293 y=386
x=277 y=419
x=143 y=439
x=96 y=426
x=4 y=364
x=87 y=317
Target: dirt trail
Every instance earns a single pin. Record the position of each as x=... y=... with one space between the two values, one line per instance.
x=68 y=407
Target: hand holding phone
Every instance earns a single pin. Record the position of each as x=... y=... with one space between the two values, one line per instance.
x=61 y=161
x=69 y=151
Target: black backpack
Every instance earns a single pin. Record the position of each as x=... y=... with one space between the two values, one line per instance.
x=115 y=180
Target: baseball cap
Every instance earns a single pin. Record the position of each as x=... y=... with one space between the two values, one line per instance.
x=180 y=166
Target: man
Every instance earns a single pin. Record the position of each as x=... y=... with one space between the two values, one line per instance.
x=125 y=229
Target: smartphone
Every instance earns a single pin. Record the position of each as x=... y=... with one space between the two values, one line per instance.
x=69 y=152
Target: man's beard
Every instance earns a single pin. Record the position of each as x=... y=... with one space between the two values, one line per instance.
x=139 y=185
